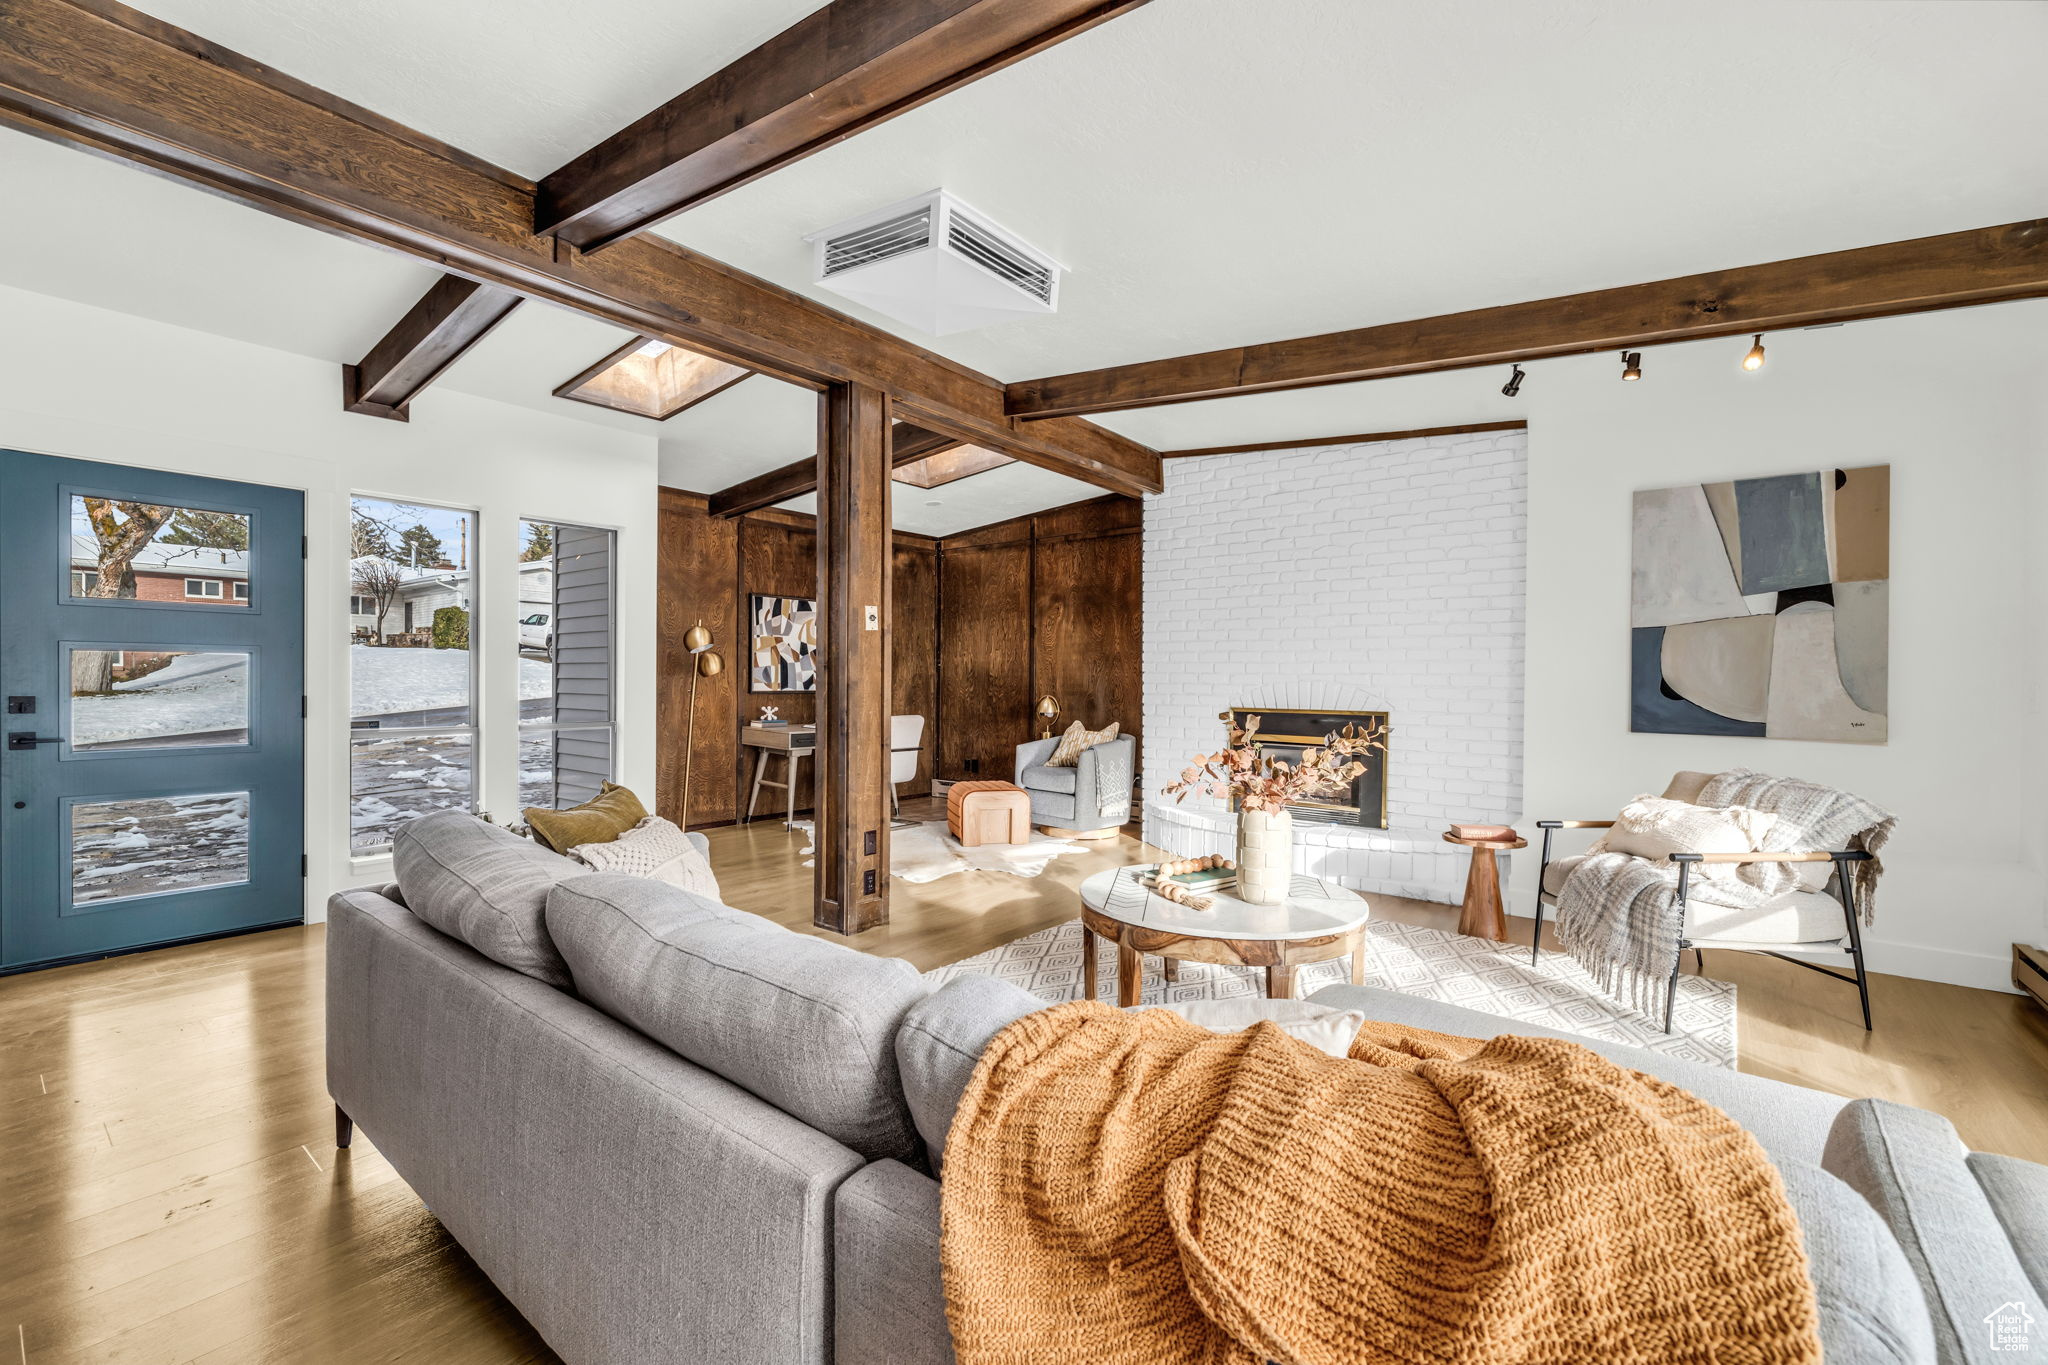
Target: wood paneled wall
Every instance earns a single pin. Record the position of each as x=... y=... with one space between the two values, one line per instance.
x=1049 y=603
x=709 y=568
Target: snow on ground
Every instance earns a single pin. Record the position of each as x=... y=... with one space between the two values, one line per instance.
x=199 y=841
x=194 y=694
x=385 y=682
x=208 y=693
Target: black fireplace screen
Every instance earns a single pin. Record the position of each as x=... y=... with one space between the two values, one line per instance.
x=1283 y=734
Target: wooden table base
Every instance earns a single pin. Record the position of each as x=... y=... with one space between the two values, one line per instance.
x=1484 y=916
x=1278 y=957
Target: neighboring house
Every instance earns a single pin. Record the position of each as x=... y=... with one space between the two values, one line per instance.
x=197 y=574
x=425 y=591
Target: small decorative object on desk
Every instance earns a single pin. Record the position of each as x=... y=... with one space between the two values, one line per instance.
x=1482 y=832
x=1261 y=787
x=1181 y=879
x=770 y=715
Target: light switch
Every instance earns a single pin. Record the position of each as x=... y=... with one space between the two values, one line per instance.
x=874 y=618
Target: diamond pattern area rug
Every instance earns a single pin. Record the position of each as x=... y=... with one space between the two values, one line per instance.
x=1474 y=972
x=925 y=852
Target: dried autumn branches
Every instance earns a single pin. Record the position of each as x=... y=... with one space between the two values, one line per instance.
x=1239 y=772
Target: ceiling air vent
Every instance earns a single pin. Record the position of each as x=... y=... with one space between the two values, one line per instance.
x=936 y=264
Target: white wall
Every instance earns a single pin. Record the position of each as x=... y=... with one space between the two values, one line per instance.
x=1383 y=576
x=1953 y=402
x=91 y=384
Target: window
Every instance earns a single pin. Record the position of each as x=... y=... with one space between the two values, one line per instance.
x=139 y=549
x=157 y=698
x=241 y=591
x=412 y=714
x=565 y=663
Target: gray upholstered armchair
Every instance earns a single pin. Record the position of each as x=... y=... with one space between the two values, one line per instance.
x=1090 y=800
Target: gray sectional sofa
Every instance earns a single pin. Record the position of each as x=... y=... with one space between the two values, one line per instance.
x=670 y=1130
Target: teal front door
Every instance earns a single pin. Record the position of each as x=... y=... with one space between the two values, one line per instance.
x=152 y=659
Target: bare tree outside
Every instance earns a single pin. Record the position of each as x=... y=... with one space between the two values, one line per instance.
x=379 y=580
x=121 y=530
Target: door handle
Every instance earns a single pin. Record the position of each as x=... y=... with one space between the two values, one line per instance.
x=23 y=739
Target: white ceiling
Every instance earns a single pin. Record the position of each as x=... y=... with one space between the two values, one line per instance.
x=146 y=245
x=1214 y=172
x=527 y=84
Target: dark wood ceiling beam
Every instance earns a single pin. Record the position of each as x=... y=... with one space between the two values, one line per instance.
x=98 y=75
x=1354 y=439
x=842 y=69
x=1956 y=270
x=908 y=444
x=452 y=316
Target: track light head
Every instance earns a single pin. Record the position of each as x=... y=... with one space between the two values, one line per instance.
x=1514 y=384
x=1631 y=365
x=1755 y=359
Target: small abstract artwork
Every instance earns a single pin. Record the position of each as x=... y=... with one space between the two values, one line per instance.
x=785 y=645
x=1761 y=607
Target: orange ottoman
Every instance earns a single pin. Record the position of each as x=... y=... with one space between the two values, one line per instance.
x=988 y=813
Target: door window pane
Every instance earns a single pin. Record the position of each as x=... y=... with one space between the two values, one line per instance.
x=149 y=698
x=174 y=556
x=395 y=777
x=147 y=845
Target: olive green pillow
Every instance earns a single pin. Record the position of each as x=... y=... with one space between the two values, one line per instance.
x=601 y=819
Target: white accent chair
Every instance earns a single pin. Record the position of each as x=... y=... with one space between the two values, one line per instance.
x=906 y=741
x=1820 y=917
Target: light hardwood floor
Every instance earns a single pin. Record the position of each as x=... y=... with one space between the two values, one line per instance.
x=172 y=1192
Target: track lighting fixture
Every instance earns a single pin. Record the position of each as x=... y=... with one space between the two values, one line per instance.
x=1631 y=365
x=1514 y=384
x=1755 y=359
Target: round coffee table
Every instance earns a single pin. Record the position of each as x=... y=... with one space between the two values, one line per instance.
x=1317 y=922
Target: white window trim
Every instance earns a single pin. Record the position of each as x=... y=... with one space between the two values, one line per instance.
x=204 y=584
x=241 y=593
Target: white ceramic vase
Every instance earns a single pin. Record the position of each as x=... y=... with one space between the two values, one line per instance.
x=1265 y=856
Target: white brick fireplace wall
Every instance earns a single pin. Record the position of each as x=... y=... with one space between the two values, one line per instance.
x=1385 y=576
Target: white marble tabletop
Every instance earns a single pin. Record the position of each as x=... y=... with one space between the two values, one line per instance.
x=1313 y=908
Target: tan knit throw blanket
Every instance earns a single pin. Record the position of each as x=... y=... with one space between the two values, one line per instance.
x=1132 y=1189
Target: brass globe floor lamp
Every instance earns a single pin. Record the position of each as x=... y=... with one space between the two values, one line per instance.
x=705 y=663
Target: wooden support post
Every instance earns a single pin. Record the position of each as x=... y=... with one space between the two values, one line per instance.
x=854 y=555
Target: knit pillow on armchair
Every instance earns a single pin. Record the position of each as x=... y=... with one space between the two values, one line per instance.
x=1078 y=738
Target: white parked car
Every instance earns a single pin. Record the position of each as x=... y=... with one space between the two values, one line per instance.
x=536 y=632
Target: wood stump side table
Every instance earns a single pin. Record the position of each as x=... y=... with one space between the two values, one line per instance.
x=1317 y=922
x=1484 y=916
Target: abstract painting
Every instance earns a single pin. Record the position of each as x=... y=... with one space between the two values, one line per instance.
x=785 y=645
x=1762 y=607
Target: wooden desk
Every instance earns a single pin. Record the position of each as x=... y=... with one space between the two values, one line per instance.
x=792 y=742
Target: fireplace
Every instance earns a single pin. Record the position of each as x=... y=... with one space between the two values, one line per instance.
x=1284 y=733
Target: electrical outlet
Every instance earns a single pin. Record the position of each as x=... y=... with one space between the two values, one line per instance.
x=874 y=618
x=867 y=882
x=974 y=765
x=868 y=843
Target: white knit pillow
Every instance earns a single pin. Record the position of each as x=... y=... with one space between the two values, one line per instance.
x=654 y=849
x=1655 y=828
